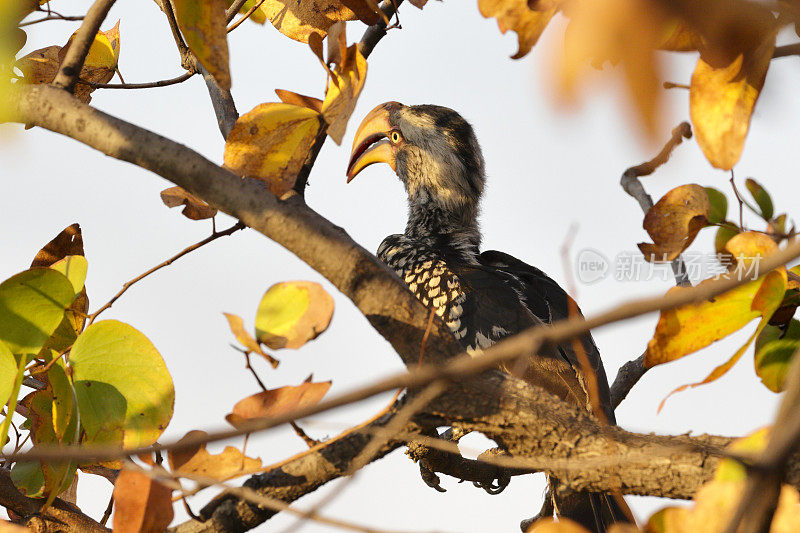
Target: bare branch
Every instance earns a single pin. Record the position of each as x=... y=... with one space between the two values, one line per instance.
x=53 y=16
x=245 y=16
x=149 y=85
x=214 y=236
x=632 y=185
x=786 y=50
x=628 y=375
x=76 y=54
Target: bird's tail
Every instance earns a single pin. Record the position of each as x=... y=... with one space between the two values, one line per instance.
x=595 y=511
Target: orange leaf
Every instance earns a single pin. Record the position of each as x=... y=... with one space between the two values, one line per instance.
x=196 y=460
x=288 y=97
x=275 y=402
x=141 y=505
x=237 y=328
x=515 y=15
x=196 y=209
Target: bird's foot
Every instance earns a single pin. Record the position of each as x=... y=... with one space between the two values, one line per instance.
x=501 y=480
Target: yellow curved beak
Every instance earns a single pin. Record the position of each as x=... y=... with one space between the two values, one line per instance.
x=371 y=144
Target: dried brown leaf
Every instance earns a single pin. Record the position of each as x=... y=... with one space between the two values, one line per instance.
x=195 y=208
x=237 y=328
x=141 y=505
x=288 y=97
x=674 y=222
x=277 y=401
x=196 y=460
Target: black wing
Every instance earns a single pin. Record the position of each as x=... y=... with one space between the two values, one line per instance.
x=545 y=299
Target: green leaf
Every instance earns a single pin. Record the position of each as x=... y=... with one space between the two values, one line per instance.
x=725 y=233
x=292 y=313
x=8 y=370
x=32 y=305
x=29 y=479
x=125 y=393
x=74 y=268
x=774 y=352
x=719 y=206
x=65 y=403
x=762 y=198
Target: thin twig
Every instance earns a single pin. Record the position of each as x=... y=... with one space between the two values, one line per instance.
x=149 y=85
x=234 y=8
x=672 y=85
x=109 y=509
x=738 y=199
x=77 y=51
x=245 y=16
x=627 y=376
x=214 y=236
x=633 y=186
x=303 y=435
x=69 y=18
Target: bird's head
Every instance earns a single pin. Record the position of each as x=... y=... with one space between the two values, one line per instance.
x=433 y=151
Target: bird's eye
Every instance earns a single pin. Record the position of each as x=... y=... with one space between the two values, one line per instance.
x=395 y=136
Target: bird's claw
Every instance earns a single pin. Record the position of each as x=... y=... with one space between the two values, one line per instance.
x=502 y=481
x=430 y=478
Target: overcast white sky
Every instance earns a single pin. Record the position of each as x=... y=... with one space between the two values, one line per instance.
x=547 y=169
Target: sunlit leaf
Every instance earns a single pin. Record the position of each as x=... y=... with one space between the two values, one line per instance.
x=237 y=328
x=677 y=36
x=8 y=371
x=258 y=16
x=74 y=267
x=718 y=206
x=125 y=393
x=747 y=249
x=685 y=330
x=750 y=445
x=298 y=19
x=765 y=302
x=288 y=97
x=342 y=93
x=762 y=198
x=195 y=208
x=292 y=313
x=202 y=23
x=141 y=505
x=65 y=403
x=725 y=232
x=197 y=461
x=32 y=305
x=722 y=99
x=275 y=402
x=774 y=351
x=515 y=15
x=271 y=143
x=674 y=221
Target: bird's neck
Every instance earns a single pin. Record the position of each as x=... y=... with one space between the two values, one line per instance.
x=451 y=226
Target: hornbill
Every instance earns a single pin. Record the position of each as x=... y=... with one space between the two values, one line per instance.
x=481 y=296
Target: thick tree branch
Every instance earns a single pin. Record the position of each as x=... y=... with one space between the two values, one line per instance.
x=61 y=516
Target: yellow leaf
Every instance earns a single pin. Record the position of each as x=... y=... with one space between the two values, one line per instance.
x=765 y=302
x=674 y=221
x=202 y=23
x=343 y=89
x=751 y=445
x=245 y=339
x=271 y=143
x=515 y=15
x=292 y=313
x=298 y=19
x=721 y=102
